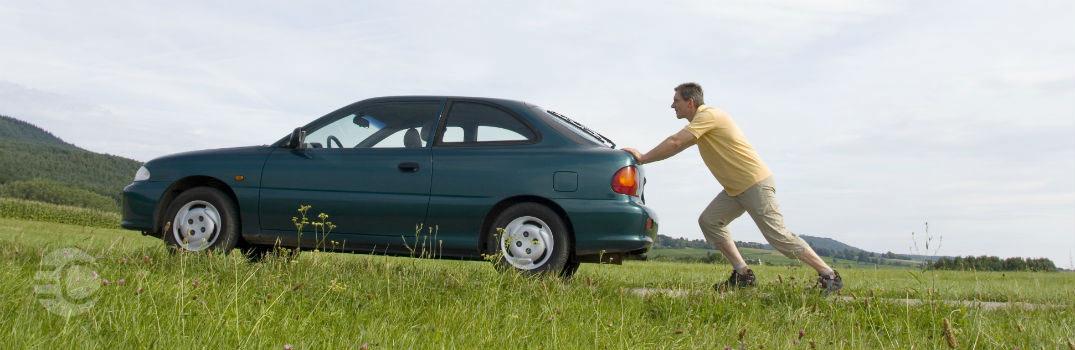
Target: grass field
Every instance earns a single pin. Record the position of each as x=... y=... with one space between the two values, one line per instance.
x=328 y=300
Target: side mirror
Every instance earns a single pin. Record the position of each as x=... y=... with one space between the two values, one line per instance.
x=363 y=122
x=298 y=137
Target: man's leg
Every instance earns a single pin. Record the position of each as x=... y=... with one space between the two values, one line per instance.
x=760 y=202
x=714 y=223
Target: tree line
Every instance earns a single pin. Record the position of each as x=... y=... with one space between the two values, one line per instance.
x=993 y=263
x=49 y=191
x=675 y=242
x=860 y=255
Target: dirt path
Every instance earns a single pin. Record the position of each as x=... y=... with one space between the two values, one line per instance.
x=987 y=305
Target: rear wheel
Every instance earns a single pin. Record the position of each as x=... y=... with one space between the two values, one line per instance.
x=532 y=239
x=202 y=219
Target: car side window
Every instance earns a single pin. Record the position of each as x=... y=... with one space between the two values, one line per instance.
x=492 y=133
x=476 y=123
x=343 y=132
x=453 y=134
x=397 y=139
x=383 y=125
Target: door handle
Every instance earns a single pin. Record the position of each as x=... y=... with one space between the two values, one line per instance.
x=408 y=167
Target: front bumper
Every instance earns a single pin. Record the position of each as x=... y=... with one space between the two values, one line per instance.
x=140 y=205
x=611 y=226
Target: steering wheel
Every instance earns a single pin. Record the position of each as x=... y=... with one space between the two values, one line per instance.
x=328 y=142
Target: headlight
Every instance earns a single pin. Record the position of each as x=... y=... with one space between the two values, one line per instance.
x=142 y=174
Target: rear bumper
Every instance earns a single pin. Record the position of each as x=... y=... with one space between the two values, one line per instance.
x=140 y=205
x=611 y=226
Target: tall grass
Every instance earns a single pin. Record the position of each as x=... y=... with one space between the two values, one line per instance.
x=329 y=300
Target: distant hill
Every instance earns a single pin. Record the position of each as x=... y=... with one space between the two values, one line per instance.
x=815 y=242
x=698 y=249
x=12 y=129
x=28 y=152
x=828 y=243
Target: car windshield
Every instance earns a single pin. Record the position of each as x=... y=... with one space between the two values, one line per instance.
x=581 y=130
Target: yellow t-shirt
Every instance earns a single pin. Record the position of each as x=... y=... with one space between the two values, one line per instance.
x=725 y=150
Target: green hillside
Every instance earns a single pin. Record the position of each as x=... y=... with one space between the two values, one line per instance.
x=12 y=129
x=29 y=153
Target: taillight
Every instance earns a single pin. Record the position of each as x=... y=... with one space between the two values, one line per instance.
x=626 y=181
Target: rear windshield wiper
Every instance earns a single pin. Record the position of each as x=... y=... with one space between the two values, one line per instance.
x=576 y=124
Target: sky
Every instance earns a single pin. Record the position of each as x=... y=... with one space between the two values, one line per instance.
x=876 y=117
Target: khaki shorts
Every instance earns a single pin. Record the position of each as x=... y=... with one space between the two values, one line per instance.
x=760 y=202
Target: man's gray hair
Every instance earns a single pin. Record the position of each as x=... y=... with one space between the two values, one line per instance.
x=691 y=91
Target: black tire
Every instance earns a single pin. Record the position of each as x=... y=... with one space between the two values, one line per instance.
x=570 y=269
x=223 y=240
x=559 y=257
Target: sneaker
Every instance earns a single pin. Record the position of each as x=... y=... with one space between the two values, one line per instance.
x=830 y=284
x=736 y=280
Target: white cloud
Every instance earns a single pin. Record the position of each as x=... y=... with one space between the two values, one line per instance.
x=875 y=115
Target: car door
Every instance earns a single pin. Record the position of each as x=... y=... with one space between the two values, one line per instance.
x=483 y=154
x=367 y=167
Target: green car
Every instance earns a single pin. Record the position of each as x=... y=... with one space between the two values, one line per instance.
x=451 y=177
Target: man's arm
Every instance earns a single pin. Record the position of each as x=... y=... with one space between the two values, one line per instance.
x=667 y=148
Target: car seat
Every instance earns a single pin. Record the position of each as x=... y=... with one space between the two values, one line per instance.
x=412 y=139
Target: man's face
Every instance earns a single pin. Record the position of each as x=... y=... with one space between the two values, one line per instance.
x=684 y=108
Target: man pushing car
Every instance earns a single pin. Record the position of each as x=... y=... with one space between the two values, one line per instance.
x=748 y=187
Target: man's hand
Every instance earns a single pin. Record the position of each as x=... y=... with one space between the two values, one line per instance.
x=634 y=153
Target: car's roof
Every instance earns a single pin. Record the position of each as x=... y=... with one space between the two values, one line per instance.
x=439 y=97
x=563 y=131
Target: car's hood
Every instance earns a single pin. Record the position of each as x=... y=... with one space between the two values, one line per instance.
x=219 y=163
x=211 y=153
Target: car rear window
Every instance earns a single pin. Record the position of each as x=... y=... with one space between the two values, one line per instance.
x=579 y=130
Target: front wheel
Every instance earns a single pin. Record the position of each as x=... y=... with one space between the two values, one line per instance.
x=202 y=219
x=532 y=239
